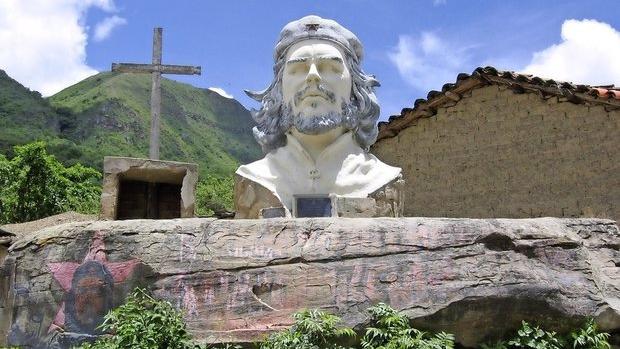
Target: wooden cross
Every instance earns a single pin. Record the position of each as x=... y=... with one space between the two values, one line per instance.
x=156 y=69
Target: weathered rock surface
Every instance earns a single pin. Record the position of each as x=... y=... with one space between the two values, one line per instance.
x=237 y=280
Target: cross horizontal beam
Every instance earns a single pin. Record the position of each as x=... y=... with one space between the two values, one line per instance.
x=155 y=68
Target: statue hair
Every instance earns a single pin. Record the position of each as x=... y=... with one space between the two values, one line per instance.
x=360 y=114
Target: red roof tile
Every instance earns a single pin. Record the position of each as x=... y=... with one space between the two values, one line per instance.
x=451 y=93
x=605 y=92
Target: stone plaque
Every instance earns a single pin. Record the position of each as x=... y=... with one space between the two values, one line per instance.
x=312 y=206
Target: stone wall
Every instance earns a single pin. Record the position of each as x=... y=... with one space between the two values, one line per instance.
x=500 y=154
x=239 y=280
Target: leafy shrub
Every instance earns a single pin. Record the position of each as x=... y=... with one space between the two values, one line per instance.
x=143 y=322
x=533 y=337
x=214 y=194
x=588 y=337
x=312 y=329
x=36 y=185
x=146 y=323
x=389 y=329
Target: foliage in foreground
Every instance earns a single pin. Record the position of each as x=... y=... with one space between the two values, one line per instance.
x=533 y=337
x=390 y=329
x=144 y=322
x=588 y=337
x=312 y=329
x=34 y=185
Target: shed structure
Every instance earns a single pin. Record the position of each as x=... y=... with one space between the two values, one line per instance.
x=502 y=144
x=147 y=189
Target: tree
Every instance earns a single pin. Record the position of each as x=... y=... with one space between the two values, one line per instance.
x=36 y=185
x=6 y=198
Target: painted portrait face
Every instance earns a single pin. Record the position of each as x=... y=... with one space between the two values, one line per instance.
x=316 y=79
x=90 y=297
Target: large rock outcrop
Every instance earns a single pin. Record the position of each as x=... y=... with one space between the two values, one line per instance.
x=238 y=280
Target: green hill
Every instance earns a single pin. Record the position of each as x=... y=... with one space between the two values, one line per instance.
x=108 y=114
x=24 y=115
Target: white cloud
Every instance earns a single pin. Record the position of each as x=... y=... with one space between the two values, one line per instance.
x=589 y=53
x=427 y=62
x=221 y=92
x=104 y=28
x=43 y=41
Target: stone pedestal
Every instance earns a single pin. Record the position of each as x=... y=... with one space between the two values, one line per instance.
x=142 y=188
x=252 y=200
x=238 y=280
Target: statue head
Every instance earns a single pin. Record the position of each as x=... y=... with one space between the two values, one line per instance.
x=318 y=85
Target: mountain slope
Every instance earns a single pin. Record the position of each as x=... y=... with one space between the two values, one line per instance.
x=24 y=115
x=109 y=114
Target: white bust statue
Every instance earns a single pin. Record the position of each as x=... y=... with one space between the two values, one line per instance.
x=317 y=122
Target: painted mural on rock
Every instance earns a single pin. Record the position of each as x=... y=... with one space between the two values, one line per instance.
x=237 y=281
x=86 y=289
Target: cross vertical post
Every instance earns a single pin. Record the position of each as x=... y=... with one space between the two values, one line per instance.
x=155 y=96
x=156 y=69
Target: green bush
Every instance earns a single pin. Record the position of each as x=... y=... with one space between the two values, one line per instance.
x=148 y=323
x=389 y=329
x=533 y=337
x=588 y=337
x=143 y=322
x=312 y=329
x=35 y=185
x=214 y=194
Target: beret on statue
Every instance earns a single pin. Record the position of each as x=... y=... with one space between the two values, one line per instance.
x=315 y=27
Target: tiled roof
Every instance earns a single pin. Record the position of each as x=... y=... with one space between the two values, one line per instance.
x=451 y=93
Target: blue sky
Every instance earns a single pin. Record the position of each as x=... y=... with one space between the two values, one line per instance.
x=411 y=46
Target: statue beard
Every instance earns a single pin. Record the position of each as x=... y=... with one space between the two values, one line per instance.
x=320 y=123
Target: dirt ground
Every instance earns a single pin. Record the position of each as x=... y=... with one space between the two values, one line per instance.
x=20 y=229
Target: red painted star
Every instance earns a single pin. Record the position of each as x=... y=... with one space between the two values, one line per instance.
x=64 y=272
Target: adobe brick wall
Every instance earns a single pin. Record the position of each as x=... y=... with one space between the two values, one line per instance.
x=501 y=154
